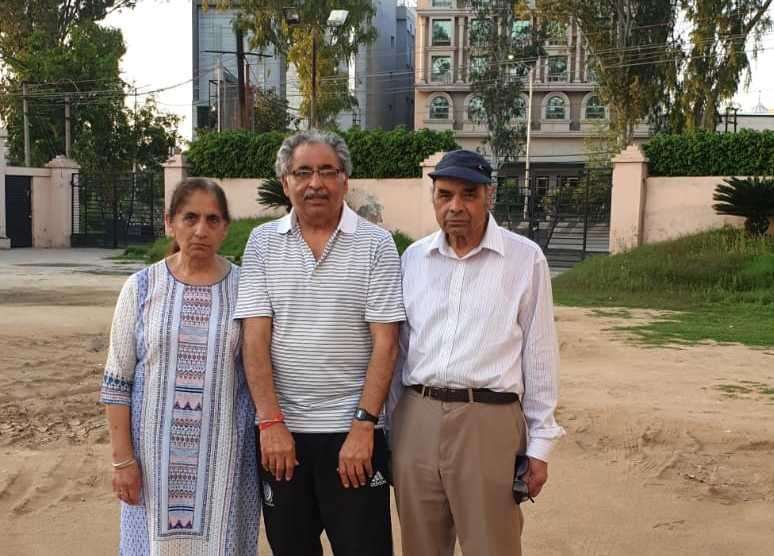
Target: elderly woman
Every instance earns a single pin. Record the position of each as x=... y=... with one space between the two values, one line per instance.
x=180 y=414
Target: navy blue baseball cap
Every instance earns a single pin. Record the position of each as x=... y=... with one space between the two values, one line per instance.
x=464 y=165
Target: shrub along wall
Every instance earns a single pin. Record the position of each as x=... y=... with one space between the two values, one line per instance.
x=375 y=153
x=747 y=153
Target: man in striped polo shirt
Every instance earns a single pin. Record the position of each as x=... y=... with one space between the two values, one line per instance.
x=478 y=376
x=320 y=299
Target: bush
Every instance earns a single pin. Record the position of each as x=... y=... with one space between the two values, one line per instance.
x=375 y=153
x=703 y=153
x=751 y=198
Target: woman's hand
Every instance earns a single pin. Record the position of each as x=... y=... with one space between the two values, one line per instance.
x=127 y=484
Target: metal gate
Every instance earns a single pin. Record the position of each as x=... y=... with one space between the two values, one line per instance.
x=18 y=210
x=567 y=215
x=116 y=210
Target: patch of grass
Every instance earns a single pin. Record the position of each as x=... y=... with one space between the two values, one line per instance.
x=733 y=389
x=721 y=282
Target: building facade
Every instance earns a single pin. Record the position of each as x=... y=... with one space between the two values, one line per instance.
x=380 y=77
x=566 y=111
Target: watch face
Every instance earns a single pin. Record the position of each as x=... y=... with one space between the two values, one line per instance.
x=362 y=415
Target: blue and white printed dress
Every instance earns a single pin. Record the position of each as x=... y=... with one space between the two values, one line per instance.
x=175 y=359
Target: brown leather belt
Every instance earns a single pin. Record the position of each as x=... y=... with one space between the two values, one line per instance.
x=480 y=395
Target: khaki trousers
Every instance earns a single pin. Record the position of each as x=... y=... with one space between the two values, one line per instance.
x=452 y=465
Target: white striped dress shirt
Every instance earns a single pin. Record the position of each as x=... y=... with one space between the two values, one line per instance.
x=484 y=320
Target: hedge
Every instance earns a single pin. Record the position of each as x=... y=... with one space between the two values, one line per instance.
x=375 y=153
x=703 y=153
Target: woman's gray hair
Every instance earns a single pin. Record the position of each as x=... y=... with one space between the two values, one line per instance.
x=289 y=145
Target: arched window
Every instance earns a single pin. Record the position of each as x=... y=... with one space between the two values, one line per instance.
x=594 y=110
x=439 y=108
x=476 y=112
x=556 y=108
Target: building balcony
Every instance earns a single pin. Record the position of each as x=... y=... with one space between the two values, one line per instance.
x=438 y=125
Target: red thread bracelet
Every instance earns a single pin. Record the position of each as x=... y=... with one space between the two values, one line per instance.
x=266 y=423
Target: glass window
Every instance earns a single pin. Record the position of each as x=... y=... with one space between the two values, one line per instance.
x=556 y=109
x=476 y=112
x=591 y=74
x=442 y=3
x=595 y=110
x=556 y=34
x=557 y=68
x=442 y=32
x=521 y=107
x=439 y=109
x=518 y=71
x=479 y=32
x=521 y=32
x=440 y=68
x=478 y=66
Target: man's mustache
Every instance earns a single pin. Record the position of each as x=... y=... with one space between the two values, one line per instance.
x=315 y=195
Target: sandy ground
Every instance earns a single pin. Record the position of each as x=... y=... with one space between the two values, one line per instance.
x=669 y=451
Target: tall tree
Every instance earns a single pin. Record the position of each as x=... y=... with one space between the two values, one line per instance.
x=272 y=112
x=505 y=43
x=265 y=21
x=717 y=56
x=628 y=42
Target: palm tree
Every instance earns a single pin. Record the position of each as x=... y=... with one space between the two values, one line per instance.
x=751 y=198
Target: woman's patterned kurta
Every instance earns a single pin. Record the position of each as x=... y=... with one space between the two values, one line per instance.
x=174 y=359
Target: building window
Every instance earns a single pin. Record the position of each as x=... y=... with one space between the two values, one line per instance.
x=476 y=112
x=521 y=107
x=556 y=33
x=442 y=32
x=439 y=108
x=557 y=68
x=479 y=32
x=595 y=110
x=556 y=109
x=478 y=67
x=440 y=68
x=442 y=3
x=521 y=34
x=518 y=71
x=392 y=41
x=591 y=74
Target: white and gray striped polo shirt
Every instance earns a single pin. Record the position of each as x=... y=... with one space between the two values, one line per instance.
x=320 y=310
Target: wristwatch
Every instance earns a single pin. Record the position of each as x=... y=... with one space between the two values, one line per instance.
x=362 y=415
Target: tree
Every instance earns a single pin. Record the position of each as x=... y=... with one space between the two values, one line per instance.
x=505 y=44
x=628 y=42
x=272 y=112
x=717 y=57
x=265 y=21
x=751 y=198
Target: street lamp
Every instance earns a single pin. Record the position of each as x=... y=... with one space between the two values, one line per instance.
x=336 y=18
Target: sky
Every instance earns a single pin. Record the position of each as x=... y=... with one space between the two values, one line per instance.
x=158 y=39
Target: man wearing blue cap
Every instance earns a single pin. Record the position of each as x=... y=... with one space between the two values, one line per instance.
x=476 y=383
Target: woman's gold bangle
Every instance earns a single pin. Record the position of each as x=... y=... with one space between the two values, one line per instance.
x=123 y=464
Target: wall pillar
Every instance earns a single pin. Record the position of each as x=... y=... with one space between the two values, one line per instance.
x=420 y=50
x=52 y=204
x=5 y=243
x=428 y=223
x=630 y=174
x=176 y=169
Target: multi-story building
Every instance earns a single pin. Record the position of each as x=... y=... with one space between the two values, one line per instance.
x=380 y=77
x=565 y=109
x=215 y=88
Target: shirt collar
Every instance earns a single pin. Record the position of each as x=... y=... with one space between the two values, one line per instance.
x=492 y=240
x=347 y=222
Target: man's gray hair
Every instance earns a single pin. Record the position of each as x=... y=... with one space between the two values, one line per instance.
x=313 y=136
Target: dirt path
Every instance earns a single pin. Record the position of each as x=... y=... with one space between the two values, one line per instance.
x=669 y=451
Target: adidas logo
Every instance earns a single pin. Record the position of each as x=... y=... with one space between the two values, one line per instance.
x=377 y=480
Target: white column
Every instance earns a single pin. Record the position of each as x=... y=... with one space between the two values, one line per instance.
x=421 y=50
x=5 y=243
x=458 y=41
x=578 y=39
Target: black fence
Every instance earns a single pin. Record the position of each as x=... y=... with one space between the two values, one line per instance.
x=116 y=210
x=567 y=215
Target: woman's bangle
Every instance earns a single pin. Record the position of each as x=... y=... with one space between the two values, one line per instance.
x=124 y=464
x=266 y=423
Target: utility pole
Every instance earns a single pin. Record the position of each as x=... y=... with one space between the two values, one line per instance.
x=25 y=109
x=527 y=189
x=240 y=56
x=219 y=96
x=67 y=126
x=313 y=102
